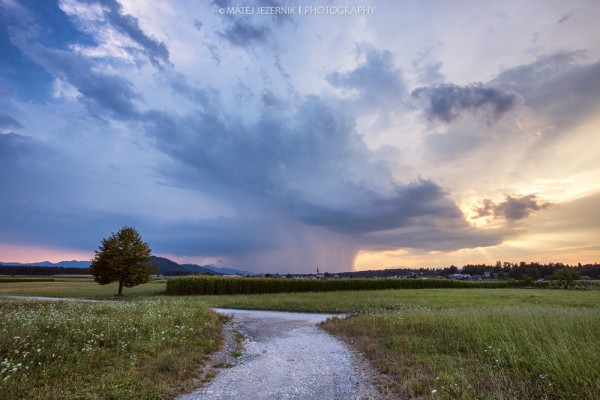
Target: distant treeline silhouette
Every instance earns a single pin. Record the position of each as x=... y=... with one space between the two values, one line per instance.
x=501 y=270
x=532 y=270
x=35 y=270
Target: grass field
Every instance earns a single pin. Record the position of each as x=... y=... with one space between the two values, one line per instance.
x=509 y=352
x=399 y=300
x=425 y=343
x=150 y=349
x=75 y=286
x=463 y=344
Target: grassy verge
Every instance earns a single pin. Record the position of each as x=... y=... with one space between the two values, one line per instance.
x=493 y=353
x=150 y=349
x=80 y=287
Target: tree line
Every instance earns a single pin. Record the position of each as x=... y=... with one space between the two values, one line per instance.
x=500 y=270
x=533 y=270
x=42 y=271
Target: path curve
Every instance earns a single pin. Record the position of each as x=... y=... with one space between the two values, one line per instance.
x=287 y=356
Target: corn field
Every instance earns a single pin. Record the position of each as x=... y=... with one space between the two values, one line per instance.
x=205 y=285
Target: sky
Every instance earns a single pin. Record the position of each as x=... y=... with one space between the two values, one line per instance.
x=290 y=135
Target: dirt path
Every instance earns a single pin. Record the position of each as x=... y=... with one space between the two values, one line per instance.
x=287 y=356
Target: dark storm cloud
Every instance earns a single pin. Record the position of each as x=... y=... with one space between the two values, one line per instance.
x=380 y=213
x=311 y=165
x=243 y=33
x=376 y=79
x=511 y=209
x=446 y=102
x=558 y=87
x=7 y=122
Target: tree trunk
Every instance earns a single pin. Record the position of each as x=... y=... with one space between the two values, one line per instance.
x=120 y=289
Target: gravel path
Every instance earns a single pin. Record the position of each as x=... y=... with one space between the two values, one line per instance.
x=287 y=356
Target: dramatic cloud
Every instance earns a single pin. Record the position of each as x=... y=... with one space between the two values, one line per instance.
x=558 y=87
x=312 y=164
x=446 y=102
x=401 y=208
x=513 y=208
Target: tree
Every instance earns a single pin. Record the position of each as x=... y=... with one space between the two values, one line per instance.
x=566 y=276
x=123 y=257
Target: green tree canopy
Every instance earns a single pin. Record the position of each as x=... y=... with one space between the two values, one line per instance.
x=123 y=257
x=566 y=276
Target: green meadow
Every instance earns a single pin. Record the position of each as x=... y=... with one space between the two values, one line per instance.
x=423 y=343
x=78 y=287
x=143 y=349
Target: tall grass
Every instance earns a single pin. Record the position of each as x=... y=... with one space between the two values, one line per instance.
x=509 y=352
x=201 y=285
x=147 y=349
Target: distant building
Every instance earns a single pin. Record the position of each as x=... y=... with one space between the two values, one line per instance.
x=460 y=277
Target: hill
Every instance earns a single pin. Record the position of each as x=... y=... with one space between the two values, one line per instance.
x=165 y=267
x=64 y=264
x=169 y=267
x=221 y=271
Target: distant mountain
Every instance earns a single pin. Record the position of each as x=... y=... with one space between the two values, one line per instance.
x=66 y=264
x=165 y=267
x=168 y=267
x=226 y=271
